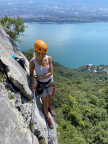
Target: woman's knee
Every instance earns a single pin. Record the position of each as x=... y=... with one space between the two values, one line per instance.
x=44 y=100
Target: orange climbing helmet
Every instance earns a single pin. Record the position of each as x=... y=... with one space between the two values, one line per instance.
x=40 y=47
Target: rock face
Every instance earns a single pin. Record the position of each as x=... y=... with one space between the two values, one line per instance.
x=21 y=117
x=12 y=126
x=15 y=72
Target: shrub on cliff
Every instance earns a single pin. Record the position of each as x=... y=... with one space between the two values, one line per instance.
x=13 y=26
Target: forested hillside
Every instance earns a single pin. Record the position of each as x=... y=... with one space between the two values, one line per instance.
x=81 y=104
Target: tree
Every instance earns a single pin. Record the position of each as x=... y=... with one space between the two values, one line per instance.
x=13 y=26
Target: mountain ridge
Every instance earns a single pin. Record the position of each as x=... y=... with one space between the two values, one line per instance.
x=56 y=11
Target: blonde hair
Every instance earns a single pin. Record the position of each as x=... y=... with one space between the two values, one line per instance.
x=34 y=54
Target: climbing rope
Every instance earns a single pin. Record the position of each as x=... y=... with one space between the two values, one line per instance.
x=50 y=138
x=32 y=113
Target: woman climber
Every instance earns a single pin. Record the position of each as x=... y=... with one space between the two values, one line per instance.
x=43 y=66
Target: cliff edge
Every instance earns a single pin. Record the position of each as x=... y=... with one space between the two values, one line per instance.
x=16 y=107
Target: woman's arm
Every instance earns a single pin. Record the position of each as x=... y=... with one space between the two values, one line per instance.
x=50 y=70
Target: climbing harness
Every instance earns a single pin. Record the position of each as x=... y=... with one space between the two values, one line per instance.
x=41 y=86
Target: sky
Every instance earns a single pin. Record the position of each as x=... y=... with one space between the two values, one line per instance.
x=80 y=5
x=97 y=3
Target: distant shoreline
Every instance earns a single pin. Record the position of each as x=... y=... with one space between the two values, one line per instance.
x=64 y=22
x=61 y=21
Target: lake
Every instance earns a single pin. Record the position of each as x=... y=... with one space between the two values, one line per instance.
x=72 y=45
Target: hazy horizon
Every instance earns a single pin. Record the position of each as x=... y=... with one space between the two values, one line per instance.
x=65 y=3
x=56 y=10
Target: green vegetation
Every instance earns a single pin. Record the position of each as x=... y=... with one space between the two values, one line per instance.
x=30 y=100
x=81 y=105
x=29 y=54
x=13 y=26
x=11 y=97
x=31 y=126
x=1 y=77
x=42 y=140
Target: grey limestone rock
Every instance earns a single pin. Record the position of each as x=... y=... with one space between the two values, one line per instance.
x=12 y=127
x=17 y=112
x=17 y=75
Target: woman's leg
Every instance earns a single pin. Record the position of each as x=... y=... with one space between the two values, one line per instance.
x=51 y=91
x=45 y=106
x=45 y=109
x=49 y=105
x=49 y=101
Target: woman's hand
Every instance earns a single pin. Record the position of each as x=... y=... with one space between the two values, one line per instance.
x=40 y=78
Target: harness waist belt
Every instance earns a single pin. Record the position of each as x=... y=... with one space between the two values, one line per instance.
x=45 y=83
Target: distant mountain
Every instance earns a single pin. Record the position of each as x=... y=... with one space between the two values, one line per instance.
x=58 y=10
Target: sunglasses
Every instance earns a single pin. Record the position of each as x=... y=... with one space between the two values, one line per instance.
x=39 y=54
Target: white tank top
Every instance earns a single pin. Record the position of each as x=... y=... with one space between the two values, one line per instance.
x=41 y=70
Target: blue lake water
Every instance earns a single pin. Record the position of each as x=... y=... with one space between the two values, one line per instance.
x=71 y=45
